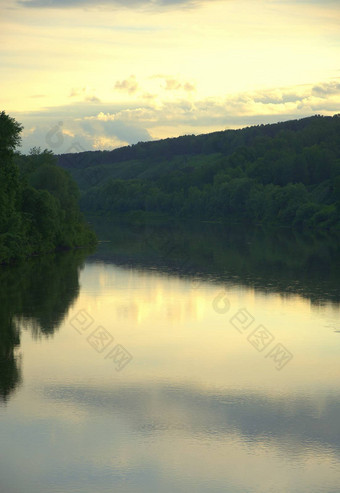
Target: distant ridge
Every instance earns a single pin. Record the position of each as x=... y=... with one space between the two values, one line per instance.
x=283 y=174
x=225 y=141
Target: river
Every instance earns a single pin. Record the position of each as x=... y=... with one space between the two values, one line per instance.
x=174 y=358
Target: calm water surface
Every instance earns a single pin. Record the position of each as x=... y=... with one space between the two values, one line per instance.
x=173 y=359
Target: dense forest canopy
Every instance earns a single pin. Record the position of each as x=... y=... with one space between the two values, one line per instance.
x=38 y=201
x=285 y=174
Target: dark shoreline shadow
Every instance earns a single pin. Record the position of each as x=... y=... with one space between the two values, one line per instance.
x=281 y=261
x=35 y=295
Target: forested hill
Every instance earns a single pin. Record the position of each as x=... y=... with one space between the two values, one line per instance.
x=285 y=174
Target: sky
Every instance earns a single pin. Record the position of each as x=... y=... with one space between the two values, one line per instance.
x=89 y=74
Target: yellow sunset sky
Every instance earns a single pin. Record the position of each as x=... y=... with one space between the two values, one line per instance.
x=83 y=74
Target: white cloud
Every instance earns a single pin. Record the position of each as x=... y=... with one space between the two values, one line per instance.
x=104 y=124
x=129 y=85
x=172 y=84
x=92 y=99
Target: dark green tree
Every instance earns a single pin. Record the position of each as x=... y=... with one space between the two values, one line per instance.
x=38 y=201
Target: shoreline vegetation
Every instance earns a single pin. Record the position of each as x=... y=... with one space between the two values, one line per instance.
x=278 y=175
x=39 y=211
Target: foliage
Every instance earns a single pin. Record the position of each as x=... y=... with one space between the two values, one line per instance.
x=287 y=174
x=38 y=201
x=9 y=136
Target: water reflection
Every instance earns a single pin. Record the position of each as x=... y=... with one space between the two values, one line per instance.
x=35 y=295
x=198 y=409
x=270 y=261
x=294 y=422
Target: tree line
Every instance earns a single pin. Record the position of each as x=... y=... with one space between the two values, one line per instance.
x=285 y=174
x=39 y=209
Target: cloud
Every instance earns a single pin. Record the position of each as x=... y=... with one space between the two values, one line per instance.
x=148 y=96
x=85 y=93
x=129 y=85
x=151 y=4
x=79 y=126
x=124 y=131
x=298 y=419
x=231 y=111
x=314 y=2
x=326 y=89
x=77 y=91
x=92 y=99
x=144 y=119
x=277 y=97
x=83 y=136
x=188 y=87
x=172 y=84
